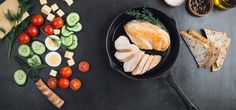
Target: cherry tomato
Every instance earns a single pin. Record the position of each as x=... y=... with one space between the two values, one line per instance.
x=84 y=66
x=37 y=20
x=57 y=22
x=48 y=29
x=66 y=72
x=24 y=38
x=33 y=31
x=75 y=84
x=52 y=83
x=63 y=83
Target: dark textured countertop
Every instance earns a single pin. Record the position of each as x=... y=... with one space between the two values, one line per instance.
x=106 y=89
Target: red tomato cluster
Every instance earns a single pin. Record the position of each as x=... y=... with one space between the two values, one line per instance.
x=64 y=82
x=38 y=20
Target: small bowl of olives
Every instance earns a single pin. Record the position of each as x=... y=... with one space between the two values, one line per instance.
x=200 y=7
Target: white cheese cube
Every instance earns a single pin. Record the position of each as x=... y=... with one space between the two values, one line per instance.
x=56 y=31
x=69 y=2
x=53 y=73
x=71 y=62
x=46 y=10
x=43 y=2
x=60 y=13
x=54 y=7
x=69 y=55
x=50 y=17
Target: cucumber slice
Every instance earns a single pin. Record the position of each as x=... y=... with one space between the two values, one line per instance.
x=34 y=61
x=78 y=27
x=38 y=47
x=20 y=77
x=24 y=50
x=65 y=32
x=72 y=18
x=74 y=44
x=67 y=41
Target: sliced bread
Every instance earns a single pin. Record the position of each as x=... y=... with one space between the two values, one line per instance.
x=132 y=64
x=139 y=68
x=198 y=48
x=155 y=61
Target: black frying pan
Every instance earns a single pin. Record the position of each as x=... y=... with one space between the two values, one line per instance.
x=163 y=70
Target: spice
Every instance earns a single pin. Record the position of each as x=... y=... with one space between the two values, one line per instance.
x=200 y=6
x=174 y=2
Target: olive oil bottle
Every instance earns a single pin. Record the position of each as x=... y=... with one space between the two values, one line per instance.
x=225 y=4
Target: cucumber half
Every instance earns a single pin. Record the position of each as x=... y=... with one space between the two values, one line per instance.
x=74 y=45
x=76 y=28
x=20 y=77
x=38 y=47
x=24 y=50
x=72 y=18
x=34 y=61
x=65 y=32
x=67 y=41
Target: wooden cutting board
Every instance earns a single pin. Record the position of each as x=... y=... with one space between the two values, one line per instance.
x=4 y=23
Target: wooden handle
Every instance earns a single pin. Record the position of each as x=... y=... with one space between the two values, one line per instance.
x=52 y=97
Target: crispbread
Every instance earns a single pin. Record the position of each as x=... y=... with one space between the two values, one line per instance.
x=198 y=48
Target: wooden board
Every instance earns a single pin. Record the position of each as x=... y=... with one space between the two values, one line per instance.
x=8 y=5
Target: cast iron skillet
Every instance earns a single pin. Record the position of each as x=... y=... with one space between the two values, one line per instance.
x=163 y=70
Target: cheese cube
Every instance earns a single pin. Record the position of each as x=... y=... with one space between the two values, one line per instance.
x=56 y=31
x=43 y=2
x=53 y=73
x=60 y=13
x=69 y=2
x=69 y=55
x=71 y=62
x=54 y=7
x=46 y=10
x=50 y=17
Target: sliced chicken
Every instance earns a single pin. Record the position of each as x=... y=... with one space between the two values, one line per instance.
x=125 y=56
x=155 y=61
x=132 y=64
x=139 y=68
x=147 y=64
x=122 y=44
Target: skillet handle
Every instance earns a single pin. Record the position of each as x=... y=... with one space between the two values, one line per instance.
x=187 y=102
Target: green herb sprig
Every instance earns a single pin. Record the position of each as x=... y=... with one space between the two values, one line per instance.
x=14 y=19
x=145 y=15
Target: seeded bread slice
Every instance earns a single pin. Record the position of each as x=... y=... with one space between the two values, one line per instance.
x=221 y=41
x=198 y=48
x=213 y=53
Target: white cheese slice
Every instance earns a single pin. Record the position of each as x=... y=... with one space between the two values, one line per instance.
x=53 y=73
x=69 y=2
x=43 y=2
x=46 y=10
x=69 y=55
x=56 y=31
x=60 y=13
x=71 y=62
x=50 y=17
x=54 y=7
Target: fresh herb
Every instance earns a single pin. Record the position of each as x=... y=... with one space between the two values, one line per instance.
x=55 y=41
x=146 y=15
x=14 y=19
x=2 y=30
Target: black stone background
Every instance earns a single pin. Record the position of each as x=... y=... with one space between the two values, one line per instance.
x=106 y=89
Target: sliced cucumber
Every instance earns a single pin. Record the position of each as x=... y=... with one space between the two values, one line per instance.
x=78 y=27
x=67 y=41
x=24 y=50
x=20 y=77
x=74 y=44
x=34 y=60
x=65 y=32
x=38 y=47
x=72 y=18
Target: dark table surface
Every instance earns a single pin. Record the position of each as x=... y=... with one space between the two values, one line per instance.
x=106 y=89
